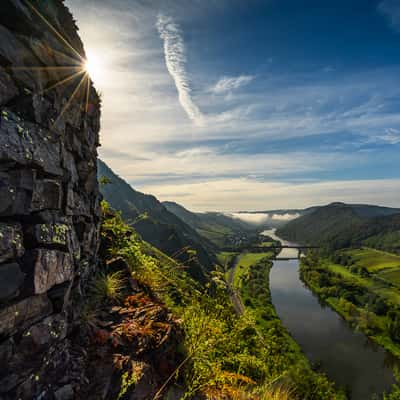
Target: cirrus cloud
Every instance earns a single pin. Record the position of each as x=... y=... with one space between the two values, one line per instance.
x=226 y=84
x=175 y=60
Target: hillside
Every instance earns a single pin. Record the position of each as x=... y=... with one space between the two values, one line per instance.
x=150 y=320
x=340 y=225
x=157 y=225
x=219 y=228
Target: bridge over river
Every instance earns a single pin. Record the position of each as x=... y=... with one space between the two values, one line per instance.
x=263 y=249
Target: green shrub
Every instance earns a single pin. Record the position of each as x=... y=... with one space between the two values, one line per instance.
x=108 y=287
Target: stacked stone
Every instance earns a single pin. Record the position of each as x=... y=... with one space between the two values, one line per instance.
x=49 y=198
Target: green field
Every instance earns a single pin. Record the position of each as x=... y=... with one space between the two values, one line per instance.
x=384 y=269
x=246 y=260
x=217 y=236
x=391 y=276
x=267 y=244
x=374 y=260
x=375 y=286
x=225 y=257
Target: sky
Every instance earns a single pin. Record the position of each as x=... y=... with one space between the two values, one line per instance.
x=249 y=105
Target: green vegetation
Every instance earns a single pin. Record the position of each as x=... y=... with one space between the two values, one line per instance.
x=267 y=243
x=219 y=238
x=108 y=286
x=222 y=230
x=224 y=356
x=244 y=261
x=337 y=226
x=373 y=260
x=159 y=227
x=225 y=258
x=251 y=279
x=357 y=291
x=103 y=180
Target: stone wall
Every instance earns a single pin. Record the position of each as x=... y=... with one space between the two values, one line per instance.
x=49 y=198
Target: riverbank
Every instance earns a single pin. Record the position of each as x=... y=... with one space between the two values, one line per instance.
x=249 y=277
x=358 y=293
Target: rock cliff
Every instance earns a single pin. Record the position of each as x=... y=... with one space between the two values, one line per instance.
x=49 y=198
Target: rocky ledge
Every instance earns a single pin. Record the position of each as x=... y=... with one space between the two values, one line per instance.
x=49 y=198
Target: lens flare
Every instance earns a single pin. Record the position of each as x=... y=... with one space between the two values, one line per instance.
x=94 y=67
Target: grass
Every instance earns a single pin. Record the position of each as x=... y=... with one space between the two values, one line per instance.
x=279 y=393
x=108 y=287
x=223 y=353
x=245 y=261
x=391 y=276
x=225 y=258
x=218 y=238
x=373 y=285
x=374 y=260
x=267 y=244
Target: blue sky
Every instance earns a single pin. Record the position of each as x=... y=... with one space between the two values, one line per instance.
x=231 y=104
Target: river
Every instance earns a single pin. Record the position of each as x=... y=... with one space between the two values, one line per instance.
x=349 y=358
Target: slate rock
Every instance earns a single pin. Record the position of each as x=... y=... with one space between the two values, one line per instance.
x=47 y=195
x=8 y=90
x=43 y=334
x=11 y=279
x=11 y=242
x=7 y=349
x=50 y=234
x=27 y=144
x=22 y=313
x=64 y=393
x=50 y=268
x=16 y=190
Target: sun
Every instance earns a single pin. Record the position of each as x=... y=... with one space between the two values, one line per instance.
x=94 y=67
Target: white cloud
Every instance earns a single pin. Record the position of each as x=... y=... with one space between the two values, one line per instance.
x=227 y=84
x=256 y=219
x=142 y=115
x=203 y=162
x=262 y=218
x=284 y=217
x=249 y=194
x=391 y=136
x=175 y=59
x=391 y=10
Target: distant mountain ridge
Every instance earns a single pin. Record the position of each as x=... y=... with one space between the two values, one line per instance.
x=219 y=228
x=339 y=225
x=273 y=217
x=158 y=226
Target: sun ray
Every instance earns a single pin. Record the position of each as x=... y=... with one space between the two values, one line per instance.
x=71 y=72
x=54 y=30
x=87 y=92
x=69 y=78
x=69 y=101
x=72 y=59
x=57 y=68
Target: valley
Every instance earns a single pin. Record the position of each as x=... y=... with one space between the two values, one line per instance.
x=199 y=200
x=361 y=286
x=322 y=336
x=339 y=347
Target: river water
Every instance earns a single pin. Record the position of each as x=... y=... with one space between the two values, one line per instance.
x=347 y=357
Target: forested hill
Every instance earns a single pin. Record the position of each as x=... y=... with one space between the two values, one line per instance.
x=219 y=228
x=156 y=224
x=340 y=225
